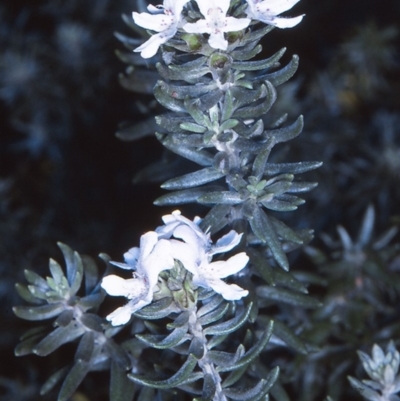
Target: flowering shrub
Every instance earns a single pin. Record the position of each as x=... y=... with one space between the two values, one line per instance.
x=213 y=310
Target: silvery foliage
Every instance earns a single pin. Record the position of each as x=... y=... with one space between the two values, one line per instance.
x=204 y=344
x=382 y=369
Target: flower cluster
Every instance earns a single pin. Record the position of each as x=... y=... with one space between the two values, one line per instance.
x=179 y=239
x=166 y=19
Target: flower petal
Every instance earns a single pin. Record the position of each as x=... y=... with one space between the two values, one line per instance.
x=154 y=22
x=231 y=292
x=158 y=260
x=123 y=314
x=217 y=41
x=283 y=23
x=184 y=253
x=275 y=7
x=222 y=268
x=236 y=24
x=226 y=243
x=149 y=48
x=132 y=256
x=117 y=286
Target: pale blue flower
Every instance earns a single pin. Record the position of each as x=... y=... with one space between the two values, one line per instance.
x=216 y=22
x=164 y=19
x=267 y=11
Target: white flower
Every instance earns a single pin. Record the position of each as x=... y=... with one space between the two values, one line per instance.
x=196 y=252
x=215 y=22
x=267 y=11
x=164 y=19
x=153 y=257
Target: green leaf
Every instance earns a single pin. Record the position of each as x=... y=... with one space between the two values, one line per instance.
x=209 y=388
x=220 y=197
x=184 y=91
x=287 y=336
x=26 y=346
x=156 y=310
x=302 y=186
x=58 y=337
x=117 y=353
x=287 y=297
x=259 y=64
x=284 y=231
x=230 y=325
x=234 y=376
x=255 y=393
x=188 y=71
x=227 y=106
x=287 y=133
x=254 y=351
x=53 y=380
x=121 y=388
x=260 y=262
x=264 y=230
x=181 y=197
x=216 y=219
x=193 y=108
x=211 y=305
x=85 y=348
x=93 y=322
x=174 y=381
x=167 y=101
x=194 y=179
x=192 y=127
x=164 y=342
x=34 y=279
x=91 y=273
x=246 y=54
x=292 y=168
x=261 y=159
x=214 y=315
x=39 y=312
x=74 y=267
x=364 y=390
x=56 y=271
x=26 y=295
x=201 y=157
x=221 y=358
x=260 y=109
x=284 y=74
x=74 y=378
x=64 y=319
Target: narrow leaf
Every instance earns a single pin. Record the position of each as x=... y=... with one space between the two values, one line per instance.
x=194 y=179
x=57 y=338
x=121 y=388
x=287 y=297
x=174 y=381
x=39 y=312
x=230 y=325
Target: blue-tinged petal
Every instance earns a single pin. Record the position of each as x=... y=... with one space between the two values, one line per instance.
x=226 y=243
x=275 y=7
x=132 y=256
x=283 y=23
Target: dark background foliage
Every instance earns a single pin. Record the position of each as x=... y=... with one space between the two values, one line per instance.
x=64 y=176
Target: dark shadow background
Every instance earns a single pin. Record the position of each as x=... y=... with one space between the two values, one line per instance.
x=64 y=176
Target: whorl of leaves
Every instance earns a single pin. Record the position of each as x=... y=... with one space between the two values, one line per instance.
x=71 y=300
